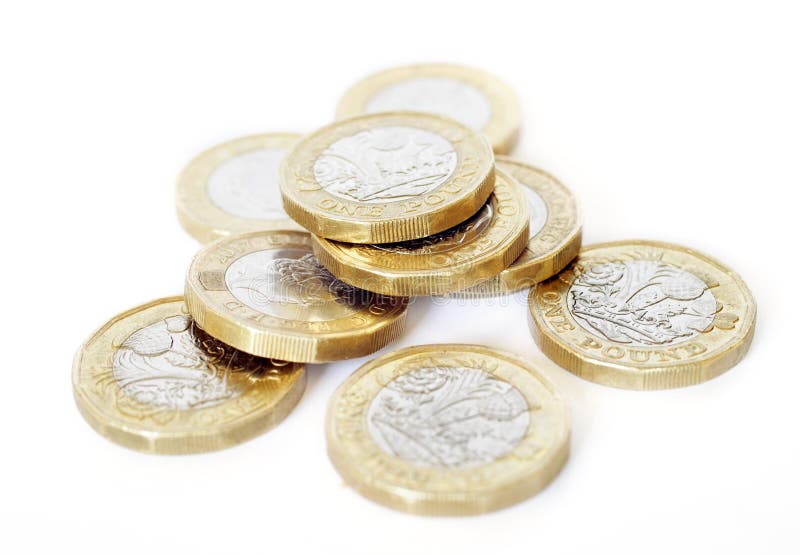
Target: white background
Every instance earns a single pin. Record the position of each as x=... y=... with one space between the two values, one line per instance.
x=679 y=123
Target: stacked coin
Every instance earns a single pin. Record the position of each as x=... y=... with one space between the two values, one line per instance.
x=319 y=240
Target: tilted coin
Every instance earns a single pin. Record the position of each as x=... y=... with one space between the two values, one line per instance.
x=643 y=315
x=233 y=188
x=471 y=96
x=447 y=429
x=554 y=230
x=150 y=380
x=387 y=177
x=266 y=294
x=460 y=257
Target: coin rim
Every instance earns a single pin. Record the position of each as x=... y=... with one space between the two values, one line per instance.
x=388 y=228
x=198 y=214
x=278 y=343
x=639 y=376
x=509 y=493
x=502 y=129
x=434 y=281
x=122 y=431
x=540 y=268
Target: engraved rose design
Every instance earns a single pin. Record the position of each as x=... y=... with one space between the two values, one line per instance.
x=452 y=417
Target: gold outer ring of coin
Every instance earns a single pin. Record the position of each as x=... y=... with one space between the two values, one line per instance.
x=328 y=330
x=465 y=255
x=197 y=212
x=267 y=390
x=502 y=129
x=723 y=342
x=551 y=248
x=391 y=480
x=336 y=216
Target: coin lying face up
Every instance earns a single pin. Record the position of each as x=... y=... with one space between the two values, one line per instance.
x=233 y=188
x=387 y=177
x=473 y=97
x=266 y=294
x=554 y=231
x=447 y=429
x=643 y=315
x=150 y=380
x=459 y=257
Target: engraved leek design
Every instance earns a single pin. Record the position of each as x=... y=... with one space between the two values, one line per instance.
x=451 y=417
x=164 y=366
x=446 y=240
x=390 y=163
x=642 y=303
x=300 y=281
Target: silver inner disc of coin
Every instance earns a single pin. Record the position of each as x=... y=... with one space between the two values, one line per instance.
x=165 y=366
x=448 y=417
x=246 y=185
x=538 y=211
x=641 y=303
x=291 y=284
x=435 y=95
x=385 y=164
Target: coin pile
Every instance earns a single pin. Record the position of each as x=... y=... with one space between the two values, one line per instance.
x=315 y=244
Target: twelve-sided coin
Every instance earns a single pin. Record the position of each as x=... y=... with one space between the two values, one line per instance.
x=151 y=380
x=387 y=177
x=266 y=294
x=643 y=315
x=468 y=95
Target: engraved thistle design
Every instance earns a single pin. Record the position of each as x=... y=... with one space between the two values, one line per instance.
x=286 y=286
x=448 y=416
x=642 y=303
x=172 y=365
x=385 y=163
x=446 y=240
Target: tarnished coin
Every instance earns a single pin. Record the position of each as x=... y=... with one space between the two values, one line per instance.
x=554 y=231
x=643 y=315
x=233 y=188
x=447 y=429
x=266 y=294
x=387 y=177
x=151 y=380
x=471 y=96
x=459 y=257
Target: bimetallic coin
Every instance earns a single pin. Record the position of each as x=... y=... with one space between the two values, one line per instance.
x=470 y=96
x=151 y=380
x=447 y=429
x=554 y=230
x=643 y=315
x=266 y=294
x=387 y=177
x=233 y=188
x=459 y=257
